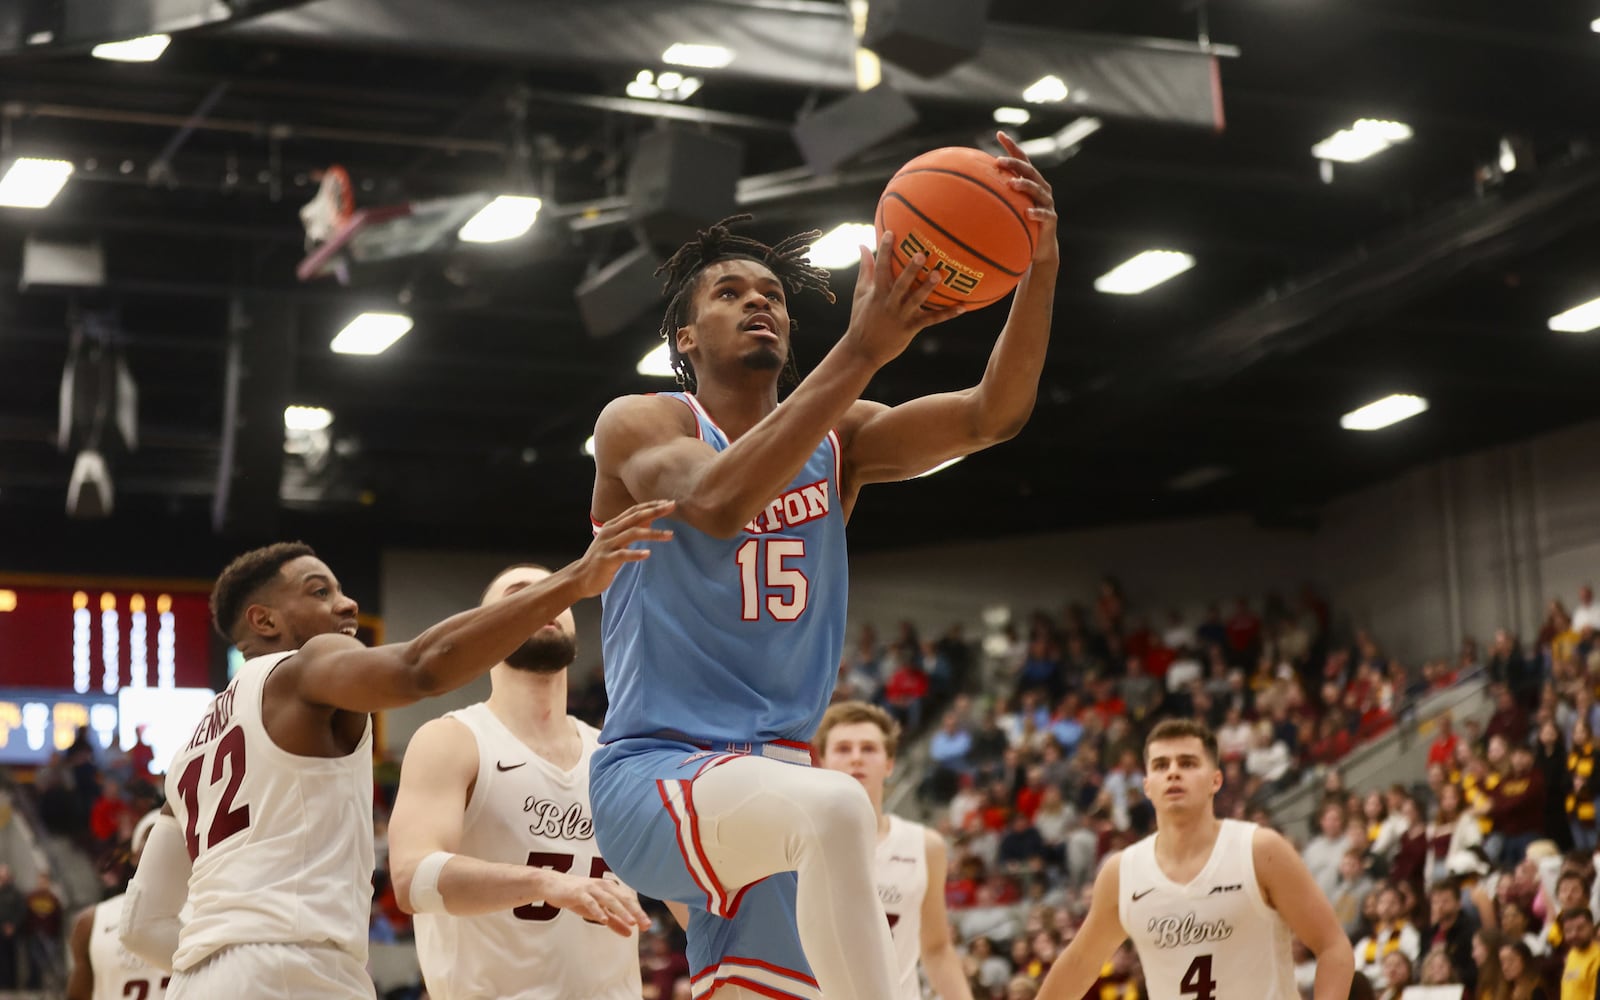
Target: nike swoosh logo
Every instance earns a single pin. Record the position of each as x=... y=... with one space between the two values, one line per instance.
x=1140 y=895
x=507 y=767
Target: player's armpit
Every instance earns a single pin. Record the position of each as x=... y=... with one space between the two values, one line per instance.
x=1078 y=967
x=436 y=775
x=1290 y=889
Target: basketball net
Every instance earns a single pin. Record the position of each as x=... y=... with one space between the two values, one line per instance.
x=330 y=208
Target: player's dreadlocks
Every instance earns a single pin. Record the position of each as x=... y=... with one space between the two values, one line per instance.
x=787 y=260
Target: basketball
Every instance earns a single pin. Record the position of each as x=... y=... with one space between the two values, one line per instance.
x=957 y=207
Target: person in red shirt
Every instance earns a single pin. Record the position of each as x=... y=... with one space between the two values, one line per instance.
x=1443 y=748
x=1244 y=629
x=141 y=756
x=111 y=818
x=904 y=692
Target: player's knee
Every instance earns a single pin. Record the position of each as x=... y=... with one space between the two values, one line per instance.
x=840 y=808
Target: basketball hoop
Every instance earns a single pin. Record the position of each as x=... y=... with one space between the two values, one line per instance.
x=329 y=208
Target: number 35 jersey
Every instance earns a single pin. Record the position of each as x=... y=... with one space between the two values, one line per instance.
x=281 y=844
x=526 y=810
x=1213 y=939
x=733 y=639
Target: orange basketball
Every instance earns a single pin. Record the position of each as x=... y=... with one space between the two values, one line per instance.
x=957 y=206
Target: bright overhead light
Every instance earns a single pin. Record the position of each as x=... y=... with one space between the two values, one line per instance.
x=371 y=333
x=841 y=245
x=1012 y=116
x=1048 y=90
x=588 y=446
x=669 y=86
x=1367 y=137
x=307 y=418
x=506 y=218
x=1578 y=319
x=1595 y=25
x=699 y=56
x=656 y=364
x=1143 y=271
x=33 y=183
x=940 y=467
x=1383 y=412
x=146 y=48
x=1051 y=149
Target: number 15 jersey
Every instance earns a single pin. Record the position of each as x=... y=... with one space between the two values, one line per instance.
x=281 y=844
x=1213 y=939
x=733 y=639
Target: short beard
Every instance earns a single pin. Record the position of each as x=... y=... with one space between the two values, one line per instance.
x=542 y=654
x=763 y=359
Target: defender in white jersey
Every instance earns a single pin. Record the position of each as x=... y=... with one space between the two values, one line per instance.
x=1211 y=905
x=269 y=841
x=496 y=797
x=102 y=969
x=861 y=740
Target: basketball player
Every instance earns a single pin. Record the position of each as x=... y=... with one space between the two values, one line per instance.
x=721 y=654
x=861 y=740
x=1209 y=904
x=492 y=816
x=101 y=968
x=270 y=841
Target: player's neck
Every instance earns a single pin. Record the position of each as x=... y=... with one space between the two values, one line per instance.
x=877 y=810
x=532 y=705
x=738 y=406
x=1187 y=833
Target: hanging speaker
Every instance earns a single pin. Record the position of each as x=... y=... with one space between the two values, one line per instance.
x=681 y=182
x=927 y=37
x=831 y=136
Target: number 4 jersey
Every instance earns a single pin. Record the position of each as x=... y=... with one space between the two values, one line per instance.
x=281 y=844
x=733 y=639
x=1213 y=939
x=526 y=810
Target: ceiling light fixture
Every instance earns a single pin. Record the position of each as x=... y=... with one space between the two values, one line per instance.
x=1381 y=413
x=1366 y=138
x=371 y=333
x=939 y=468
x=840 y=247
x=1046 y=90
x=1143 y=271
x=1578 y=319
x=1012 y=116
x=307 y=418
x=506 y=218
x=588 y=446
x=33 y=183
x=698 y=56
x=145 y=48
x=656 y=364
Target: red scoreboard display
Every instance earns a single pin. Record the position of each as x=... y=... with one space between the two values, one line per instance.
x=91 y=639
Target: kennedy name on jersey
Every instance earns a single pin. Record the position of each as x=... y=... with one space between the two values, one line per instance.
x=216 y=719
x=794 y=508
x=1175 y=932
x=551 y=819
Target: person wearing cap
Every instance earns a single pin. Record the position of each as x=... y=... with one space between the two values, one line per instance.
x=102 y=969
x=1580 y=977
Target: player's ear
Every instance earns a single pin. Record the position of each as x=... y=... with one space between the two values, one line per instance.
x=685 y=337
x=262 y=620
x=1216 y=779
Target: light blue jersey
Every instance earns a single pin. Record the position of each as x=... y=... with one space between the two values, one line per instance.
x=738 y=639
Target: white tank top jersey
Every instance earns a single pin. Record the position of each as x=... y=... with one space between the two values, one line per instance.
x=902 y=869
x=282 y=844
x=1213 y=939
x=526 y=810
x=119 y=974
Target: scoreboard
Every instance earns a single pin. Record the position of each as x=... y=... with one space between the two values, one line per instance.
x=112 y=656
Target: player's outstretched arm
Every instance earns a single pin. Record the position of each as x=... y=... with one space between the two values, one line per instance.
x=940 y=961
x=156 y=895
x=884 y=444
x=1077 y=968
x=641 y=443
x=1290 y=889
x=80 y=978
x=339 y=672
x=425 y=832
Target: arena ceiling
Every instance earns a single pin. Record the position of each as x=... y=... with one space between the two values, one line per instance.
x=1426 y=269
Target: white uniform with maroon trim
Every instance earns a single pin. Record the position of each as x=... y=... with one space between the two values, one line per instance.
x=1213 y=939
x=281 y=891
x=902 y=870
x=525 y=810
x=119 y=974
